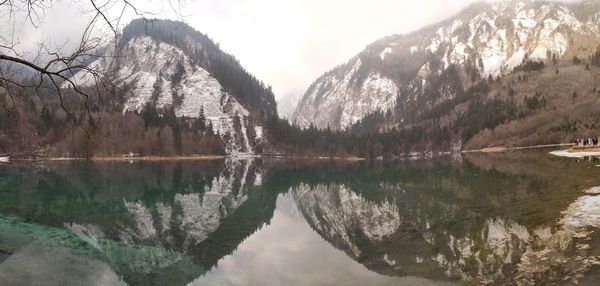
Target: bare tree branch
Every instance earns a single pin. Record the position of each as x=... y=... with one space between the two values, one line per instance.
x=53 y=70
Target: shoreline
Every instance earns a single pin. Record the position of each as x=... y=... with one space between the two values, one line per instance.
x=125 y=159
x=499 y=149
x=182 y=158
x=161 y=158
x=566 y=153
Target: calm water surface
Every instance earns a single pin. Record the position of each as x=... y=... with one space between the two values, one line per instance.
x=514 y=218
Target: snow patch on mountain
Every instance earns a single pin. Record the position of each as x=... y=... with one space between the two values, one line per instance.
x=387 y=50
x=259 y=132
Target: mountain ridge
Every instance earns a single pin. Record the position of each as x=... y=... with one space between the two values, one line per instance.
x=486 y=39
x=167 y=64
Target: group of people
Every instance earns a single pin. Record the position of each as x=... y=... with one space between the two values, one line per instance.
x=590 y=141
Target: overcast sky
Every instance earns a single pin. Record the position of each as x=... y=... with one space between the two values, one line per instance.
x=288 y=44
x=285 y=43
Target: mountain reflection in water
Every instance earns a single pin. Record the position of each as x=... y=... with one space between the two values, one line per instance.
x=515 y=218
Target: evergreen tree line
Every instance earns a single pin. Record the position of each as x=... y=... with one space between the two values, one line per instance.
x=155 y=117
x=530 y=65
x=166 y=117
x=291 y=139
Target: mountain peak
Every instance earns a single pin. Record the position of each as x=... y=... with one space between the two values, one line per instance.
x=168 y=65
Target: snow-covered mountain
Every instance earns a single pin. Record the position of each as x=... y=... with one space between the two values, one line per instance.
x=486 y=39
x=168 y=64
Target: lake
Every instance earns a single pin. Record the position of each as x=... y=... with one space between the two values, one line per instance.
x=507 y=218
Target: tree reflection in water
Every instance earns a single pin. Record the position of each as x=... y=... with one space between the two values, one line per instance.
x=514 y=218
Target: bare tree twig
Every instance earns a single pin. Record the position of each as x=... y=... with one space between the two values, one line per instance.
x=54 y=70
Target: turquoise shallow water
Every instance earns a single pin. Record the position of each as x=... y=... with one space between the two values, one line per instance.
x=276 y=222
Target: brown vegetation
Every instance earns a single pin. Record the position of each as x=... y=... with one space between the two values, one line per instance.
x=31 y=128
x=570 y=110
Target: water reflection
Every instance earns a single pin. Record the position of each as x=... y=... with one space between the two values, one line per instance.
x=288 y=252
x=476 y=224
x=153 y=223
x=502 y=219
x=40 y=265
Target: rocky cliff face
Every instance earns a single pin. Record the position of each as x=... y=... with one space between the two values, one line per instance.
x=486 y=39
x=168 y=64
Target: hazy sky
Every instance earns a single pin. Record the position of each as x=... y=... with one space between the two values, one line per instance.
x=285 y=43
x=288 y=44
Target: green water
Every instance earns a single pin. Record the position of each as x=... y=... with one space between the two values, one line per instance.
x=290 y=222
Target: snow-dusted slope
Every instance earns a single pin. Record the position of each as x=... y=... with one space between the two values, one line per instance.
x=492 y=38
x=345 y=100
x=148 y=68
x=185 y=70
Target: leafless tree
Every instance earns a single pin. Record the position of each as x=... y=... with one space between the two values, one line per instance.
x=50 y=70
x=55 y=68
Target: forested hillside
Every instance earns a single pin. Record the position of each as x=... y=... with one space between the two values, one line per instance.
x=164 y=89
x=504 y=73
